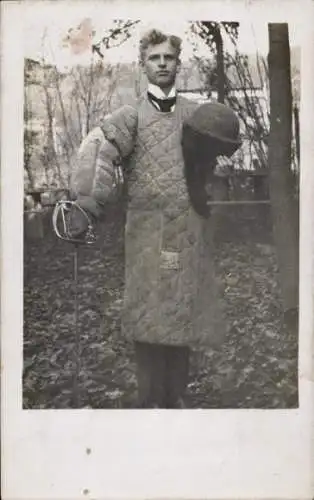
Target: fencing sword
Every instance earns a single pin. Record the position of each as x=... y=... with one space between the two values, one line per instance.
x=60 y=224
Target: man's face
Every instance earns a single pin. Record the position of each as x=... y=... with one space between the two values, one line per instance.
x=161 y=64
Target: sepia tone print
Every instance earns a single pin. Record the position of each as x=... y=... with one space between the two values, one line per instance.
x=161 y=175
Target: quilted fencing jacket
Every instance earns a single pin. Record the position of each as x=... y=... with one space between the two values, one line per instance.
x=171 y=295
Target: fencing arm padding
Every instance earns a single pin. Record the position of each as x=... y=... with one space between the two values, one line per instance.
x=92 y=180
x=104 y=148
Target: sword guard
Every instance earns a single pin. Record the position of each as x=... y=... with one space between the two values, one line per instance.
x=60 y=223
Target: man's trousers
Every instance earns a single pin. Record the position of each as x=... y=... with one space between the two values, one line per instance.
x=163 y=372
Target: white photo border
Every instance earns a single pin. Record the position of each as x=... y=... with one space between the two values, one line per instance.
x=109 y=454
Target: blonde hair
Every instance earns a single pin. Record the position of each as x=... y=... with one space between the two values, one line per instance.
x=155 y=37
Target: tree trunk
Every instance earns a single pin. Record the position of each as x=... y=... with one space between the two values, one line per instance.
x=284 y=205
x=220 y=66
x=51 y=156
x=297 y=132
x=28 y=139
x=215 y=31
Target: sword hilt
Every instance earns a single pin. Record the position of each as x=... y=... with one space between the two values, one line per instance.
x=61 y=210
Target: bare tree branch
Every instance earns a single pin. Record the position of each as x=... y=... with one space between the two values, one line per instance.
x=115 y=36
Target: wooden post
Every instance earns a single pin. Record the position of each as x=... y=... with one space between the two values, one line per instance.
x=284 y=206
x=297 y=132
x=33 y=224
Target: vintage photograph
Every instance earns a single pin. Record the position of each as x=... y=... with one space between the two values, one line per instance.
x=161 y=214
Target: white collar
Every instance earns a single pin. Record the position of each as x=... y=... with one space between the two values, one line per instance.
x=159 y=93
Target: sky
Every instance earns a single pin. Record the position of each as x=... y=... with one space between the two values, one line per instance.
x=45 y=29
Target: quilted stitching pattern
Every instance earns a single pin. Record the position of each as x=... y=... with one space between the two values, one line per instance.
x=161 y=304
x=177 y=305
x=92 y=179
x=120 y=129
x=157 y=176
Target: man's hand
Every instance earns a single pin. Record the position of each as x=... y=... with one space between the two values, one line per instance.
x=200 y=187
x=77 y=222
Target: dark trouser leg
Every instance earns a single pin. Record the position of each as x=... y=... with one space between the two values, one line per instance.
x=151 y=375
x=177 y=373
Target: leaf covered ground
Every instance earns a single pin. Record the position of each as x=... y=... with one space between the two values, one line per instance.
x=255 y=368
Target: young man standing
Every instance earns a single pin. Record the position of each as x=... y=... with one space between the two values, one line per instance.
x=170 y=301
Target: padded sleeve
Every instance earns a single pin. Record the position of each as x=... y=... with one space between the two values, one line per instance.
x=104 y=148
